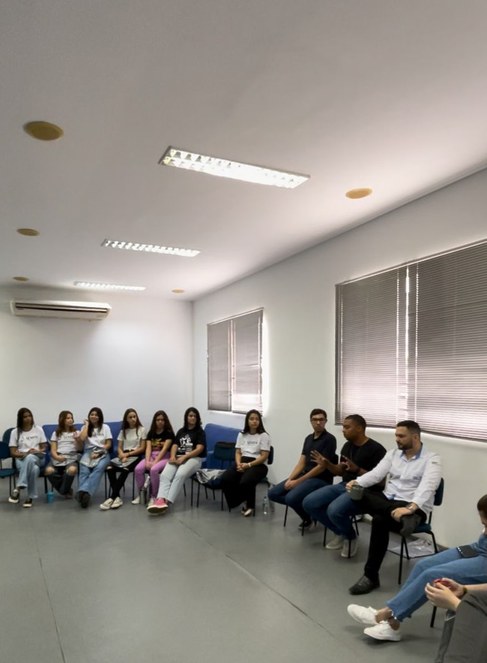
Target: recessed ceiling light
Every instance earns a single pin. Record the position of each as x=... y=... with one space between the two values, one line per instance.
x=178 y=291
x=235 y=170
x=358 y=193
x=107 y=286
x=22 y=279
x=43 y=130
x=149 y=248
x=28 y=232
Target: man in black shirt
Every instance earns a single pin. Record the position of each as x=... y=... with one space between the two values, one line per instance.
x=308 y=475
x=332 y=505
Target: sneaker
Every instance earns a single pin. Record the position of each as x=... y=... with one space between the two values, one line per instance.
x=106 y=505
x=383 y=631
x=28 y=503
x=84 y=499
x=336 y=543
x=136 y=500
x=362 y=615
x=159 y=506
x=364 y=585
x=349 y=548
x=15 y=496
x=117 y=503
x=305 y=524
x=247 y=513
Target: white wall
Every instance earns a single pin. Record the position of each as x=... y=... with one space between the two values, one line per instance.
x=139 y=356
x=299 y=312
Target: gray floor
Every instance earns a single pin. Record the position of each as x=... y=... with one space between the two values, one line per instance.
x=194 y=586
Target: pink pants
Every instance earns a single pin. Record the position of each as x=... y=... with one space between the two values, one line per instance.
x=155 y=471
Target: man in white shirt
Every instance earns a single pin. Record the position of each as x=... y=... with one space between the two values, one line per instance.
x=413 y=477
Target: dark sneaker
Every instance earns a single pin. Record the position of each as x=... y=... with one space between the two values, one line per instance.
x=28 y=503
x=305 y=524
x=15 y=496
x=364 y=586
x=84 y=499
x=409 y=524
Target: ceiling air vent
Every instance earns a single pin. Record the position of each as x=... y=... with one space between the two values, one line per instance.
x=53 y=309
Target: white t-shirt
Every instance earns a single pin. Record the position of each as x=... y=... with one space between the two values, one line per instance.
x=29 y=439
x=133 y=438
x=251 y=445
x=98 y=438
x=66 y=444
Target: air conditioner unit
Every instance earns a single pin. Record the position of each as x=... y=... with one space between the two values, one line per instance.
x=52 y=309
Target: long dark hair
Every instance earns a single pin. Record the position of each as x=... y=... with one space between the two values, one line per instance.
x=61 y=427
x=260 y=428
x=125 y=424
x=100 y=420
x=20 y=419
x=167 y=428
x=198 y=417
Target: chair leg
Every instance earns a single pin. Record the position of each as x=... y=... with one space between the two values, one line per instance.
x=285 y=517
x=433 y=617
x=324 y=537
x=404 y=549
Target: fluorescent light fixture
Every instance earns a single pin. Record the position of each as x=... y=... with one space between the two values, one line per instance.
x=178 y=158
x=107 y=286
x=150 y=248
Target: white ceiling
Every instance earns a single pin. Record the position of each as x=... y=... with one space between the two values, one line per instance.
x=384 y=94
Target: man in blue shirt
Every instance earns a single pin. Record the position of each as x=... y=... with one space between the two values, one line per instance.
x=308 y=475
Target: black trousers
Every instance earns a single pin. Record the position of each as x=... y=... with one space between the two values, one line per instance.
x=239 y=487
x=380 y=508
x=117 y=476
x=61 y=480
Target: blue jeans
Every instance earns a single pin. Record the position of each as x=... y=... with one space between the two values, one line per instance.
x=333 y=507
x=294 y=497
x=29 y=468
x=90 y=477
x=447 y=564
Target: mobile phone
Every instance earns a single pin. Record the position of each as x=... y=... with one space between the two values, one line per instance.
x=467 y=551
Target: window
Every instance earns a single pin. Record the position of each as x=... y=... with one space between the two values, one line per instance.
x=235 y=363
x=411 y=343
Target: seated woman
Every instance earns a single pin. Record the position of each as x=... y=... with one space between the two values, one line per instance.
x=186 y=456
x=251 y=454
x=28 y=448
x=464 y=636
x=97 y=440
x=65 y=453
x=467 y=564
x=158 y=443
x=131 y=445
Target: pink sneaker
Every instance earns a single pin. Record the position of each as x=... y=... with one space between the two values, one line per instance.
x=158 y=506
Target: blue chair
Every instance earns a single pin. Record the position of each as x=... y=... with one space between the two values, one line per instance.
x=5 y=472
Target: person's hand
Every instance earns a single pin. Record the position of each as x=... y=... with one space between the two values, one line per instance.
x=400 y=512
x=350 y=465
x=173 y=461
x=290 y=484
x=350 y=485
x=149 y=464
x=61 y=459
x=318 y=458
x=239 y=467
x=442 y=596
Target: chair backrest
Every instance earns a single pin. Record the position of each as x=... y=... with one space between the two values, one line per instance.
x=224 y=452
x=270 y=457
x=439 y=493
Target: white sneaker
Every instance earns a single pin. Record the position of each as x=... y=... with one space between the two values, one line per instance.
x=362 y=615
x=136 y=500
x=117 y=503
x=336 y=543
x=349 y=548
x=106 y=505
x=383 y=631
